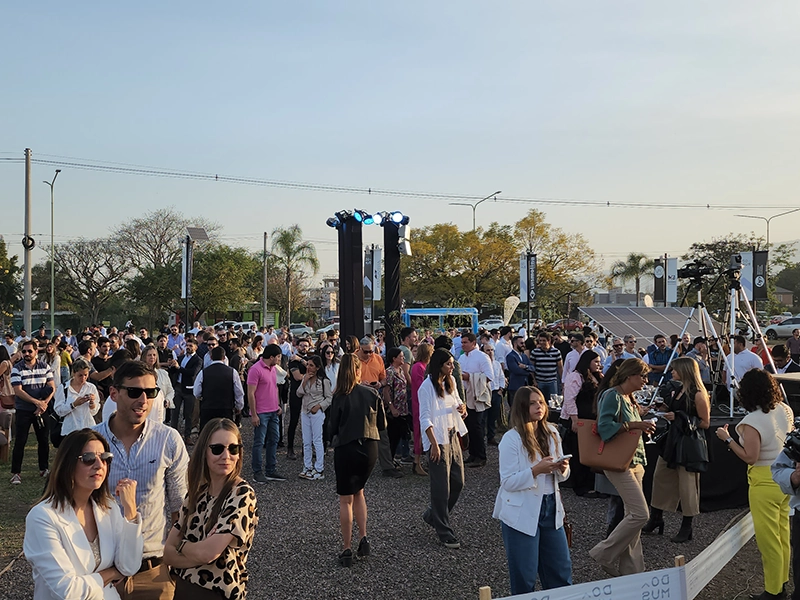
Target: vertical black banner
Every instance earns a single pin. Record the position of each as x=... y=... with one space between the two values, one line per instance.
x=659 y=281
x=760 y=275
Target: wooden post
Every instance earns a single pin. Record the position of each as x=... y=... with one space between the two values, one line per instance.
x=485 y=593
x=680 y=561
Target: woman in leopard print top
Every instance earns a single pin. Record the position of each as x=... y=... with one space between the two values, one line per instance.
x=207 y=548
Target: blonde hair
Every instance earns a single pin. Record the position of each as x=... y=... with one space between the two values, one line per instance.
x=630 y=367
x=349 y=375
x=689 y=372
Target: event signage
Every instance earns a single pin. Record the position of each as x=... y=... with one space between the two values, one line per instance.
x=760 y=275
x=672 y=280
x=705 y=566
x=527 y=273
x=653 y=585
x=372 y=273
x=746 y=276
x=186 y=269
x=659 y=281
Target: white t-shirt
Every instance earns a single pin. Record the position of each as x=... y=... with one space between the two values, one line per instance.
x=772 y=427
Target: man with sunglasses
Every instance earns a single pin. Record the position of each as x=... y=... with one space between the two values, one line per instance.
x=34 y=388
x=154 y=455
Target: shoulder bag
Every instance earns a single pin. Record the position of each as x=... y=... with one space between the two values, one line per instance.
x=6 y=390
x=613 y=455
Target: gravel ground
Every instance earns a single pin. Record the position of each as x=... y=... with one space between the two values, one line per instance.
x=297 y=542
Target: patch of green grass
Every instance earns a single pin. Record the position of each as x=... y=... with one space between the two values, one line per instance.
x=17 y=500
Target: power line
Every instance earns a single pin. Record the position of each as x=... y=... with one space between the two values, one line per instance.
x=148 y=171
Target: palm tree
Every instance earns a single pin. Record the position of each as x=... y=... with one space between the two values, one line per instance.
x=634 y=267
x=293 y=256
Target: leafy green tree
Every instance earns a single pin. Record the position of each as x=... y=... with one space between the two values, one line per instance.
x=717 y=254
x=633 y=268
x=219 y=276
x=294 y=259
x=567 y=267
x=10 y=284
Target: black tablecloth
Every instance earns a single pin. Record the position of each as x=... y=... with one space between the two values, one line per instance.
x=724 y=484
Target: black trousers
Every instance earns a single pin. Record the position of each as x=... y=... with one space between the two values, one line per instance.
x=476 y=425
x=295 y=404
x=397 y=428
x=23 y=420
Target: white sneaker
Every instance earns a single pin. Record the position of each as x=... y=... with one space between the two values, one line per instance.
x=316 y=475
x=16 y=479
x=306 y=474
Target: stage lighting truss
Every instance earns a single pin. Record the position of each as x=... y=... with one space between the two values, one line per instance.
x=361 y=216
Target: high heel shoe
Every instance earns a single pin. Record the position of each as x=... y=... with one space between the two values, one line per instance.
x=418 y=470
x=685 y=532
x=653 y=524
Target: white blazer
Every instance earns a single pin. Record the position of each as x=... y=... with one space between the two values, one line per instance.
x=519 y=499
x=62 y=560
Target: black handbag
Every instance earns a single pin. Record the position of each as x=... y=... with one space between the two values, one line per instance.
x=691 y=447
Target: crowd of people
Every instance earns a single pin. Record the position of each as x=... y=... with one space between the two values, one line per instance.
x=146 y=402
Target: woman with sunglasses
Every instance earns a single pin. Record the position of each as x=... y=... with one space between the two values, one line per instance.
x=208 y=546
x=77 y=541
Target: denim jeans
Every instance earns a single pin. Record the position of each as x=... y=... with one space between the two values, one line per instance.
x=547 y=388
x=545 y=553
x=267 y=429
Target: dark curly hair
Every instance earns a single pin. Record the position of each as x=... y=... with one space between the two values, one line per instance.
x=759 y=389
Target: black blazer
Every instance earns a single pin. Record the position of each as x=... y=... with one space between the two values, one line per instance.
x=792 y=368
x=189 y=372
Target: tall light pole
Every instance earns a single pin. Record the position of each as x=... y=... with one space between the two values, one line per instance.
x=52 y=257
x=475 y=205
x=768 y=219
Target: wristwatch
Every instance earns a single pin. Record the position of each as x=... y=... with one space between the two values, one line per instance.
x=180 y=545
x=728 y=441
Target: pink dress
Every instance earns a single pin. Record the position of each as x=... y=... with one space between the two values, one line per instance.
x=417 y=377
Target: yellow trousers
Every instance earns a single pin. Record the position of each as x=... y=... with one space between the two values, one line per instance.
x=770 y=509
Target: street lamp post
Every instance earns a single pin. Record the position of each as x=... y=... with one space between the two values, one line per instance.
x=475 y=205
x=52 y=256
x=768 y=219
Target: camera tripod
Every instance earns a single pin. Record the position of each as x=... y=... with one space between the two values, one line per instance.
x=737 y=300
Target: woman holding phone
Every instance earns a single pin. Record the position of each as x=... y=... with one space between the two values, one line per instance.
x=529 y=502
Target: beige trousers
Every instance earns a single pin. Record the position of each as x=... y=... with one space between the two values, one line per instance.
x=671 y=486
x=623 y=548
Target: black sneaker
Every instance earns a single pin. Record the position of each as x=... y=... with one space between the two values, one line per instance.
x=363 y=548
x=393 y=473
x=451 y=543
x=275 y=477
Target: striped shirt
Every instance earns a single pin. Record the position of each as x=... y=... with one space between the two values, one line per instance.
x=36 y=381
x=545 y=364
x=158 y=462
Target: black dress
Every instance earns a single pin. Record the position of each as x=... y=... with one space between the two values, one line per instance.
x=356 y=419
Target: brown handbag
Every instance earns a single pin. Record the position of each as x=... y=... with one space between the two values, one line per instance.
x=613 y=455
x=6 y=391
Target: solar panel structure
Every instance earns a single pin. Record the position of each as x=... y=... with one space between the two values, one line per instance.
x=644 y=322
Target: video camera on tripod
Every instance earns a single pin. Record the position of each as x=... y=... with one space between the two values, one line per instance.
x=696 y=269
x=792 y=444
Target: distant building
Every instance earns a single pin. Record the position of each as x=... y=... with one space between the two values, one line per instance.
x=325 y=300
x=616 y=297
x=784 y=296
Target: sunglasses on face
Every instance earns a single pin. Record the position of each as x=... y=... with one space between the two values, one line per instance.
x=618 y=345
x=368 y=351
x=135 y=392
x=89 y=458
x=217 y=449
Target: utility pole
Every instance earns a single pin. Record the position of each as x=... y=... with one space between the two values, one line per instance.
x=27 y=244
x=264 y=300
x=52 y=257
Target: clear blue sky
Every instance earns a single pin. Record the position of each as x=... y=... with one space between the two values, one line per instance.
x=683 y=102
